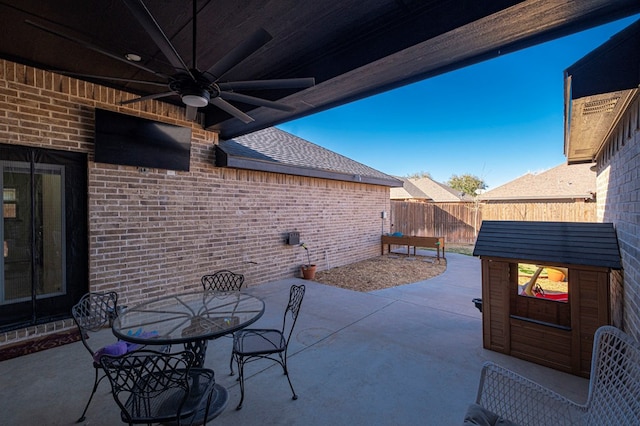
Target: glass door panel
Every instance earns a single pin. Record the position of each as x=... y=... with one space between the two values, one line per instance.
x=32 y=232
x=16 y=232
x=49 y=228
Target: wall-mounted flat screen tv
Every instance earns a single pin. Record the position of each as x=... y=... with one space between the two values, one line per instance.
x=134 y=141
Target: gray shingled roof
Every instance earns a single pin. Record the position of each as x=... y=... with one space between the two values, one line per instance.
x=428 y=190
x=408 y=191
x=561 y=182
x=274 y=150
x=573 y=243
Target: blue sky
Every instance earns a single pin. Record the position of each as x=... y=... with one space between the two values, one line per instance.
x=496 y=120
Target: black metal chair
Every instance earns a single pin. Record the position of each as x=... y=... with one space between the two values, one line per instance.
x=254 y=344
x=158 y=387
x=93 y=313
x=223 y=281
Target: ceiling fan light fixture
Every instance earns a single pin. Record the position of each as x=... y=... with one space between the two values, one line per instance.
x=133 y=57
x=196 y=98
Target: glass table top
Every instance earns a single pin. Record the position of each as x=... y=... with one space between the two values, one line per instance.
x=187 y=317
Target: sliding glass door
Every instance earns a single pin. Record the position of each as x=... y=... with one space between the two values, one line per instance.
x=44 y=254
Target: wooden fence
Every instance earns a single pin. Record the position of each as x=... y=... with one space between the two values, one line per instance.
x=549 y=211
x=459 y=222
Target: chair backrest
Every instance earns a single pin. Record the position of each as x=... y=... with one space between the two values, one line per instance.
x=296 y=294
x=614 y=387
x=149 y=386
x=94 y=312
x=223 y=281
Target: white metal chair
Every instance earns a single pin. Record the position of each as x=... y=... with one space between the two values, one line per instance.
x=614 y=389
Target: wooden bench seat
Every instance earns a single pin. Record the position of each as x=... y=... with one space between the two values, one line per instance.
x=415 y=241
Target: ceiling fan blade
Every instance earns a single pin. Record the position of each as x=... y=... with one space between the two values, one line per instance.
x=251 y=100
x=102 y=77
x=227 y=107
x=239 y=53
x=93 y=47
x=285 y=83
x=191 y=113
x=150 y=25
x=148 y=97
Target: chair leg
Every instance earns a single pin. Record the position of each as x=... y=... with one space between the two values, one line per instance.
x=96 y=382
x=231 y=365
x=206 y=411
x=286 y=373
x=240 y=361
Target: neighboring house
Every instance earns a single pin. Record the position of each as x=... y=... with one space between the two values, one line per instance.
x=563 y=182
x=602 y=105
x=427 y=190
x=428 y=208
x=146 y=232
x=563 y=193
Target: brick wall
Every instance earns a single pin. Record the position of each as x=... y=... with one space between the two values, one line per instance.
x=157 y=232
x=618 y=186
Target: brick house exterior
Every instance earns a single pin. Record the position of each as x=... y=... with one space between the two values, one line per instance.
x=156 y=232
x=603 y=124
x=618 y=184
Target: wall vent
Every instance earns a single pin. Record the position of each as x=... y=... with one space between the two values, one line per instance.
x=600 y=106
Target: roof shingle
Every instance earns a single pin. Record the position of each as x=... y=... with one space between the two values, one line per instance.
x=427 y=189
x=275 y=150
x=561 y=182
x=573 y=243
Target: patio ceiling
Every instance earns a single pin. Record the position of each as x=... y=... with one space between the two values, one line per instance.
x=352 y=48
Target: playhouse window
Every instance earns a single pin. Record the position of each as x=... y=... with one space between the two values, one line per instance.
x=543 y=281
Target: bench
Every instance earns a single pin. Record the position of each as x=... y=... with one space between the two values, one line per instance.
x=415 y=241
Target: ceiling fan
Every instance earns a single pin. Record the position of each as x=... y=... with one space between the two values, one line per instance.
x=196 y=88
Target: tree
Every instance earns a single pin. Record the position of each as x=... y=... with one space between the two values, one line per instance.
x=419 y=175
x=466 y=183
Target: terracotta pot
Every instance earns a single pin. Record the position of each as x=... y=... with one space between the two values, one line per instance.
x=308 y=272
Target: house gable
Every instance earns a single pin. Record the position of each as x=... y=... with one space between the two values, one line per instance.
x=427 y=189
x=568 y=182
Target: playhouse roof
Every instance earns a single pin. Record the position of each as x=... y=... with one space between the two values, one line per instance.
x=573 y=243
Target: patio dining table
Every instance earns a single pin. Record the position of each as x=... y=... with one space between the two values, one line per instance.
x=188 y=318
x=191 y=319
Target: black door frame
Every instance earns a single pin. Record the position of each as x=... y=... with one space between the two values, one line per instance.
x=43 y=310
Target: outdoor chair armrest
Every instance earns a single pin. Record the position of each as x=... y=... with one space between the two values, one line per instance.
x=524 y=401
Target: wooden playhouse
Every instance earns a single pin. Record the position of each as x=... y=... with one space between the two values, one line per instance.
x=547 y=287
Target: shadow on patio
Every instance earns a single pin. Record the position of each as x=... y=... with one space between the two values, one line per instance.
x=405 y=355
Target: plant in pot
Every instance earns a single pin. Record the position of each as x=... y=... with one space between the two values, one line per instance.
x=308 y=270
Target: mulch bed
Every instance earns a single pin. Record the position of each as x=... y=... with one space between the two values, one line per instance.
x=39 y=344
x=382 y=272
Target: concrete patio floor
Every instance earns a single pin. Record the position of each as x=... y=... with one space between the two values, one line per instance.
x=401 y=356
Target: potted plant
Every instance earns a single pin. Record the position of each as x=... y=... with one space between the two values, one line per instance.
x=308 y=270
